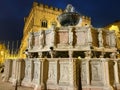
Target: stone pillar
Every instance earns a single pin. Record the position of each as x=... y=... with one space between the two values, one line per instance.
x=42 y=86
x=8 y=69
x=37 y=72
x=116 y=74
x=88 y=72
x=27 y=81
x=20 y=70
x=106 y=76
x=13 y=77
x=70 y=54
x=72 y=75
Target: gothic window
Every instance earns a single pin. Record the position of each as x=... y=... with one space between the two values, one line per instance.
x=44 y=24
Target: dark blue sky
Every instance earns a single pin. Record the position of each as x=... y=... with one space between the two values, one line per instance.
x=12 y=13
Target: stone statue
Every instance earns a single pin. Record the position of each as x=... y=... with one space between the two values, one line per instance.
x=88 y=54
x=89 y=36
x=69 y=8
x=100 y=38
x=41 y=39
x=113 y=55
x=71 y=36
x=52 y=35
x=31 y=40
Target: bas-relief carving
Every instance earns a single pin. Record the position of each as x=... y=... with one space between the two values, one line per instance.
x=36 y=69
x=96 y=70
x=83 y=73
x=52 y=73
x=108 y=39
x=113 y=39
x=95 y=73
x=27 y=71
x=36 y=76
x=63 y=37
x=81 y=37
x=64 y=72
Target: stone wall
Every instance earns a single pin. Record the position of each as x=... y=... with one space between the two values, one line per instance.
x=65 y=73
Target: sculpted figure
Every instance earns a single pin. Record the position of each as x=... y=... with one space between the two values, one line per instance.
x=31 y=40
x=100 y=38
x=52 y=35
x=69 y=8
x=41 y=39
x=70 y=36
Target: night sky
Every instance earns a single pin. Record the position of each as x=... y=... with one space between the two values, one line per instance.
x=12 y=13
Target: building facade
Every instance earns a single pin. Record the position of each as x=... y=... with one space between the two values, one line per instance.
x=115 y=26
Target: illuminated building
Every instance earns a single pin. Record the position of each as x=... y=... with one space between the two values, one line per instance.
x=3 y=53
x=41 y=17
x=116 y=27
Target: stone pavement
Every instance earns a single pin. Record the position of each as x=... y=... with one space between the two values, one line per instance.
x=9 y=86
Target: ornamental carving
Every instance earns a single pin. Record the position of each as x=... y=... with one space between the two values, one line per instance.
x=64 y=72
x=52 y=72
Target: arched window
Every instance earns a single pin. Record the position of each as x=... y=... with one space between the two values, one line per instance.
x=44 y=24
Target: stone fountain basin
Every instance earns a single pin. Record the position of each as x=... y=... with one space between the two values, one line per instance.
x=69 y=18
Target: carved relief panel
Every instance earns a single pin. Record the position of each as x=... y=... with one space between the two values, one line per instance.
x=28 y=70
x=37 y=70
x=96 y=72
x=83 y=73
x=64 y=73
x=63 y=37
x=52 y=72
x=111 y=39
x=81 y=37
